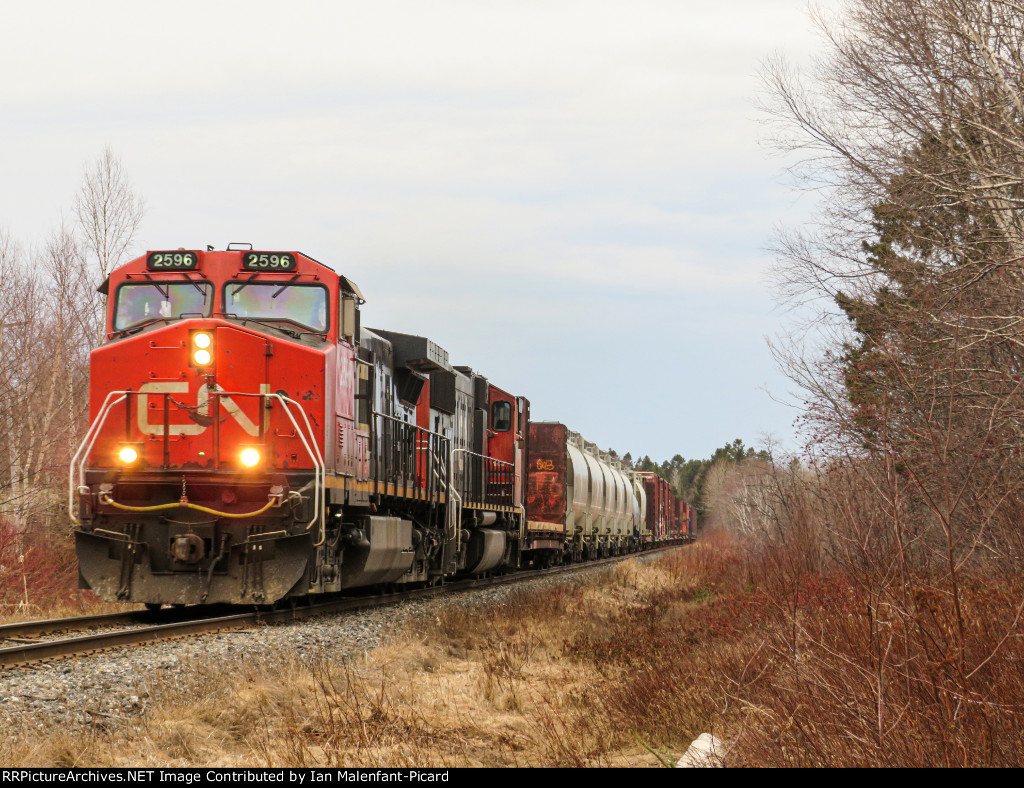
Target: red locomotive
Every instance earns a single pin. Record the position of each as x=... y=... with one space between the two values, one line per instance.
x=250 y=441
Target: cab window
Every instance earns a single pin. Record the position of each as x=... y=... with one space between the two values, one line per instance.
x=302 y=304
x=501 y=416
x=142 y=302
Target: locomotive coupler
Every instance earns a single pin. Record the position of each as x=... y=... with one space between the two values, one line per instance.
x=188 y=549
x=354 y=536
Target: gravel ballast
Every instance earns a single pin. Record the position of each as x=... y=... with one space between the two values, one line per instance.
x=118 y=684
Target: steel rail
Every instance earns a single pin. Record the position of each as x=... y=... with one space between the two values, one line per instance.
x=50 y=625
x=45 y=651
x=28 y=629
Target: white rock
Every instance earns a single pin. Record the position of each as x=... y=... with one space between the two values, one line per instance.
x=706 y=751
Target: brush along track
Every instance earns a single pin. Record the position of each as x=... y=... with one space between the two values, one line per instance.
x=34 y=653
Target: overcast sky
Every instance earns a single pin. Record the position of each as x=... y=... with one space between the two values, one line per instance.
x=570 y=197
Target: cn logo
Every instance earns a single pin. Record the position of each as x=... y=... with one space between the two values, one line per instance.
x=201 y=411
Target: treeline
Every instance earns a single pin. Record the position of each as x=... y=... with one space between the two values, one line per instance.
x=50 y=319
x=688 y=478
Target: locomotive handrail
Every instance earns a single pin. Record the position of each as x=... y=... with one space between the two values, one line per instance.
x=105 y=498
x=310 y=445
x=431 y=470
x=90 y=437
x=486 y=457
x=458 y=497
x=455 y=511
x=488 y=466
x=437 y=464
x=453 y=501
x=318 y=462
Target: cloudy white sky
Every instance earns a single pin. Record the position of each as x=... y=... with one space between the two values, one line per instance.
x=568 y=196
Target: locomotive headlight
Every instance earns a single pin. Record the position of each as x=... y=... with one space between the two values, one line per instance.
x=202 y=348
x=128 y=453
x=250 y=457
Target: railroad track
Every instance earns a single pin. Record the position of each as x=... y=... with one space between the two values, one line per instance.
x=154 y=626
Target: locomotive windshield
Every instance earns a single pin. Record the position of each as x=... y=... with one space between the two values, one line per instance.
x=142 y=302
x=302 y=304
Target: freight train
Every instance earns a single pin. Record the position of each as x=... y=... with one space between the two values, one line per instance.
x=251 y=441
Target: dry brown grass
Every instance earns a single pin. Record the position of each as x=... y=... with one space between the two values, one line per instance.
x=498 y=685
x=622 y=668
x=84 y=604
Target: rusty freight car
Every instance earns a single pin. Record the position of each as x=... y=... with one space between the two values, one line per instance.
x=579 y=502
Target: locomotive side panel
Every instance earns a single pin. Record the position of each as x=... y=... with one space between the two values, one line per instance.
x=341 y=368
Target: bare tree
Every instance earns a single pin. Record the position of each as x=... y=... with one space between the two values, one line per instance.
x=47 y=303
x=50 y=319
x=109 y=213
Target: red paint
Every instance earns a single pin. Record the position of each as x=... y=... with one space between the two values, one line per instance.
x=546 y=474
x=245 y=361
x=667 y=515
x=501 y=445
